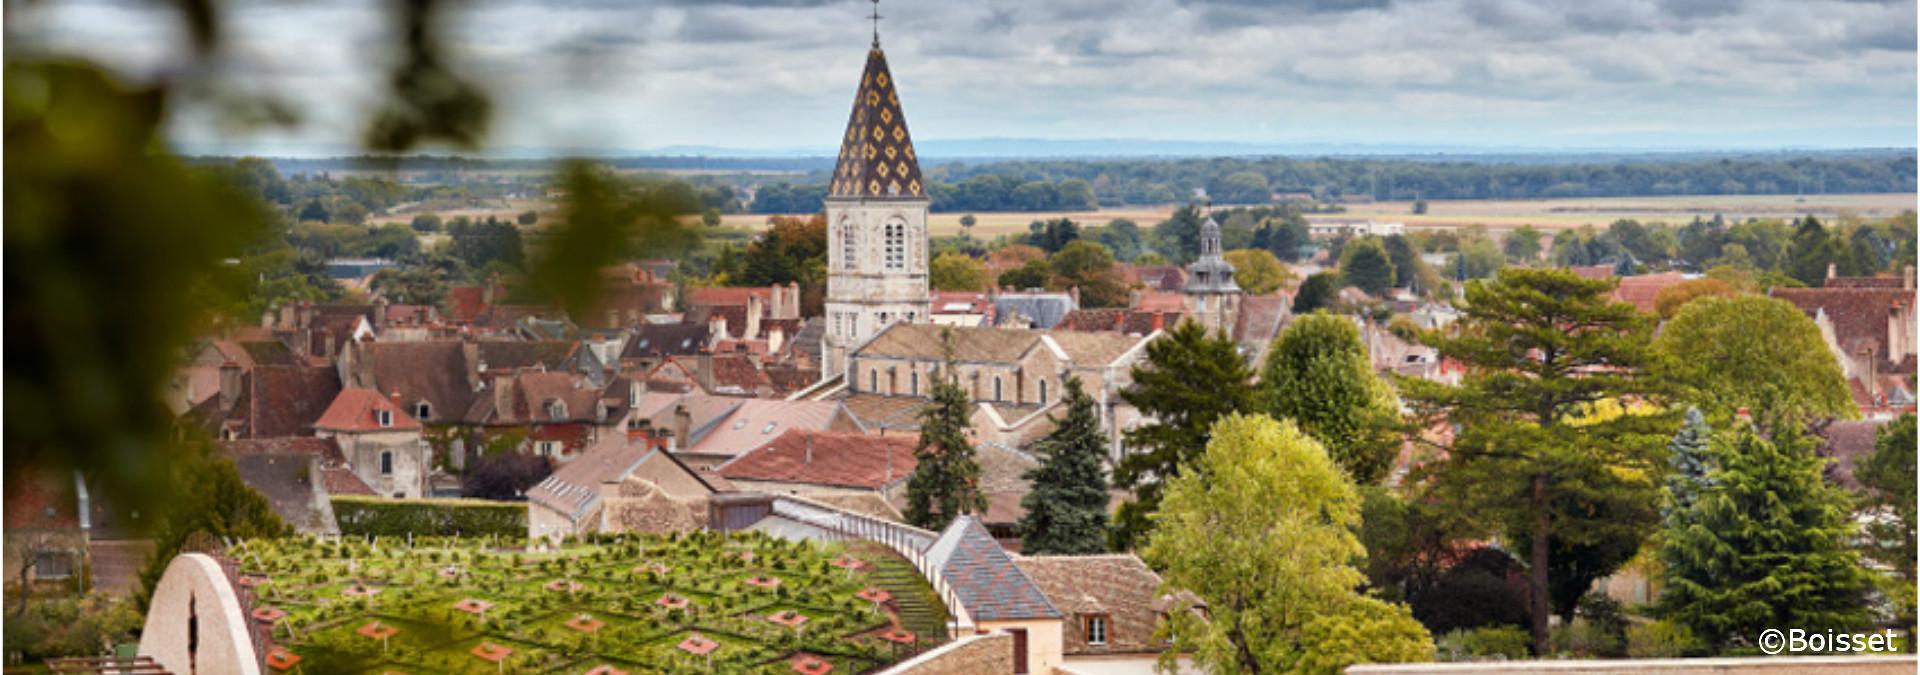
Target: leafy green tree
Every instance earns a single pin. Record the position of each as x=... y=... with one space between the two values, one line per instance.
x=1318 y=375
x=426 y=223
x=1067 y=508
x=1813 y=249
x=1123 y=237
x=1550 y=359
x=1034 y=274
x=956 y=272
x=1753 y=352
x=1257 y=271
x=1319 y=291
x=1263 y=530
x=1478 y=259
x=946 y=479
x=1670 y=299
x=1766 y=542
x=1405 y=260
x=1052 y=235
x=1244 y=187
x=529 y=217
x=1080 y=259
x=1179 y=235
x=315 y=212
x=1188 y=381
x=1365 y=264
x=1888 y=475
x=709 y=217
x=210 y=499
x=1283 y=234
x=1522 y=245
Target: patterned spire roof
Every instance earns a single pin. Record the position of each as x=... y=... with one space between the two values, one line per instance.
x=876 y=155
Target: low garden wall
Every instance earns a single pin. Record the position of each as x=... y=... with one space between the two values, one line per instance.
x=382 y=517
x=1763 y=665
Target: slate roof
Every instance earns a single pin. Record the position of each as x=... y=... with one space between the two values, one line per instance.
x=1035 y=310
x=275 y=401
x=989 y=585
x=839 y=459
x=279 y=468
x=517 y=354
x=574 y=488
x=876 y=158
x=665 y=339
x=354 y=411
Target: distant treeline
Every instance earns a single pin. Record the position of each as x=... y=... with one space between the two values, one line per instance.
x=1052 y=185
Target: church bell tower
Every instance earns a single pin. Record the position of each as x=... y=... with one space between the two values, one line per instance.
x=876 y=222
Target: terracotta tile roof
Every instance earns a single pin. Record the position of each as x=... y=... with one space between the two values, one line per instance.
x=754 y=422
x=517 y=354
x=948 y=302
x=1866 y=282
x=532 y=396
x=733 y=374
x=728 y=295
x=1161 y=302
x=285 y=400
x=994 y=345
x=266 y=353
x=1641 y=290
x=1593 y=271
x=1860 y=316
x=40 y=499
x=875 y=411
x=1261 y=317
x=1157 y=277
x=1119 y=587
x=984 y=577
x=356 y=410
x=434 y=371
x=827 y=458
x=1117 y=320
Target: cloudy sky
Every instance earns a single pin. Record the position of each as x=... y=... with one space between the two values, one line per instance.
x=780 y=74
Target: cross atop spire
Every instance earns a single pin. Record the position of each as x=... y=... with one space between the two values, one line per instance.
x=876 y=23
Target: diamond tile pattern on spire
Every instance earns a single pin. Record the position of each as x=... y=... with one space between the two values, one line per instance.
x=876 y=155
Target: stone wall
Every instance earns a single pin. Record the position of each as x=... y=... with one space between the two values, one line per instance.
x=1774 y=665
x=971 y=655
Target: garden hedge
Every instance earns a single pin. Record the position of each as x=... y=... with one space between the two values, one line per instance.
x=379 y=516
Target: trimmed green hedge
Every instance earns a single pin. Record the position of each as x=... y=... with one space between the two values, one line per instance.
x=379 y=516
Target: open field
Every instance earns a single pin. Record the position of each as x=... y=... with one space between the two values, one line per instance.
x=1495 y=214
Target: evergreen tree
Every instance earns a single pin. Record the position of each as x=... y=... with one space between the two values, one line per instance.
x=1365 y=264
x=1686 y=466
x=1188 y=381
x=946 y=479
x=1067 y=508
x=1888 y=476
x=1765 y=543
x=1318 y=375
x=1542 y=426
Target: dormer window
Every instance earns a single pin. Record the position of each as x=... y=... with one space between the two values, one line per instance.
x=422 y=410
x=383 y=417
x=557 y=409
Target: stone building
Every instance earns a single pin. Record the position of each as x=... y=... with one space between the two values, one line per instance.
x=380 y=442
x=877 y=222
x=1213 y=298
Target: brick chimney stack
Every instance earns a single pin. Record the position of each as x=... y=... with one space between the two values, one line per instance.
x=229 y=384
x=682 y=426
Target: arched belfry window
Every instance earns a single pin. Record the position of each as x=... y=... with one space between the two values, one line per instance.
x=847 y=245
x=896 y=246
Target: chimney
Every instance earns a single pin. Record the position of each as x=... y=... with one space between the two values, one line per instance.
x=289 y=315
x=306 y=314
x=1159 y=320
x=792 y=304
x=1074 y=293
x=1833 y=270
x=503 y=396
x=717 y=325
x=754 y=308
x=229 y=384
x=266 y=317
x=394 y=397
x=1907 y=278
x=809 y=457
x=682 y=426
x=773 y=311
x=775 y=337
x=703 y=370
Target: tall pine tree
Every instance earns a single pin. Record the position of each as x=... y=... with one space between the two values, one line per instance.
x=1541 y=428
x=1067 y=508
x=1318 y=375
x=1765 y=543
x=1188 y=381
x=1687 y=466
x=946 y=479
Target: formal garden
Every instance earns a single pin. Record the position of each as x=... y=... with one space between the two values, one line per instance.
x=694 y=603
